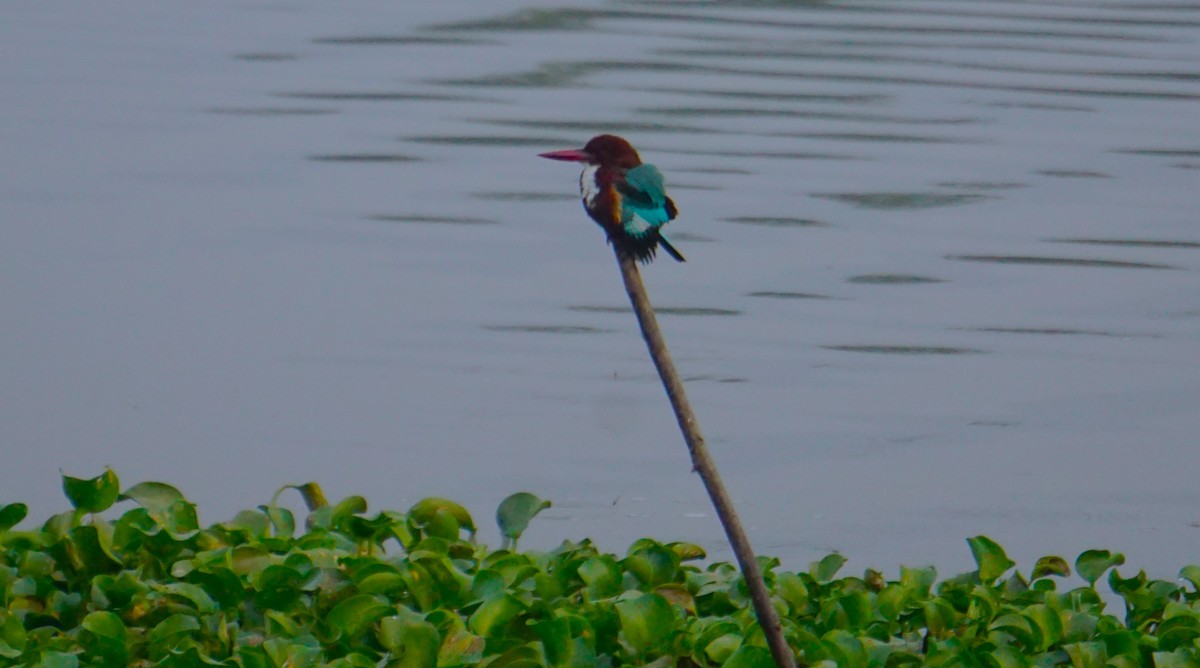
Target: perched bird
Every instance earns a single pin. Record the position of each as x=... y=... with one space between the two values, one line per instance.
x=625 y=196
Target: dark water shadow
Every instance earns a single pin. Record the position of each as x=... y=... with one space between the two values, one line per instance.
x=436 y=220
x=1058 y=331
x=898 y=201
x=1132 y=243
x=1059 y=261
x=779 y=294
x=904 y=350
x=775 y=221
x=547 y=329
x=364 y=157
x=893 y=279
x=661 y=310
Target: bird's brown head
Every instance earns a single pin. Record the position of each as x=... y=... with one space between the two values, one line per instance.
x=608 y=150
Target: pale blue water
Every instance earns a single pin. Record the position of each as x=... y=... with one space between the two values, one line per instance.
x=942 y=272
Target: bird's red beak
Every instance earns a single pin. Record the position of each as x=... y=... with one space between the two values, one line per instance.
x=569 y=155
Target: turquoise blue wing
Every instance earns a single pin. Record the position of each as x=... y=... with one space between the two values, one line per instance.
x=644 y=201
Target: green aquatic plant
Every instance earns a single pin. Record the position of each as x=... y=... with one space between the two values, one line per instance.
x=151 y=586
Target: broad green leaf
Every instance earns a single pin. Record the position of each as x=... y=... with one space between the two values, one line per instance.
x=412 y=641
x=647 y=621
x=107 y=636
x=722 y=647
x=847 y=649
x=155 y=497
x=90 y=549
x=1048 y=625
x=1191 y=574
x=518 y=657
x=602 y=575
x=749 y=656
x=1050 y=566
x=167 y=633
x=555 y=634
x=990 y=557
x=688 y=551
x=918 y=581
x=353 y=615
x=514 y=513
x=1087 y=654
x=424 y=511
x=1180 y=658
x=293 y=652
x=492 y=618
x=827 y=567
x=56 y=659
x=461 y=648
x=940 y=617
x=12 y=636
x=1007 y=656
x=11 y=514
x=652 y=564
x=92 y=495
x=192 y=593
x=1092 y=564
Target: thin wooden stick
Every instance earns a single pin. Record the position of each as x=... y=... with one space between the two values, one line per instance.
x=702 y=463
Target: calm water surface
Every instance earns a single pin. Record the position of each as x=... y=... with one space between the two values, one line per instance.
x=942 y=272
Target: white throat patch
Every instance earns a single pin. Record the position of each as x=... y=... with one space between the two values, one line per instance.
x=587 y=185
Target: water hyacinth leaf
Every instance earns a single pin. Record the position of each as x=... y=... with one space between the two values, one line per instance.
x=846 y=648
x=12 y=636
x=283 y=522
x=11 y=514
x=155 y=497
x=1007 y=656
x=194 y=594
x=602 y=575
x=56 y=659
x=1019 y=627
x=1047 y=623
x=1050 y=566
x=1180 y=658
x=1087 y=654
x=301 y=652
x=721 y=648
x=92 y=495
x=90 y=549
x=412 y=641
x=1092 y=564
x=166 y=634
x=353 y=615
x=514 y=513
x=492 y=618
x=678 y=594
x=647 y=621
x=688 y=551
x=749 y=656
x=791 y=588
x=940 y=617
x=555 y=634
x=523 y=656
x=918 y=581
x=461 y=648
x=424 y=511
x=827 y=567
x=1178 y=631
x=252 y=522
x=651 y=563
x=310 y=492
x=990 y=558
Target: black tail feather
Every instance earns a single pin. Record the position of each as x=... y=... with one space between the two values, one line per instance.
x=666 y=245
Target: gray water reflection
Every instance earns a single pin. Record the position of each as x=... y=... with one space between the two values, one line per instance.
x=317 y=244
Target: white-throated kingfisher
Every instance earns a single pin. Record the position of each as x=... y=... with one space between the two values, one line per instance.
x=623 y=195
